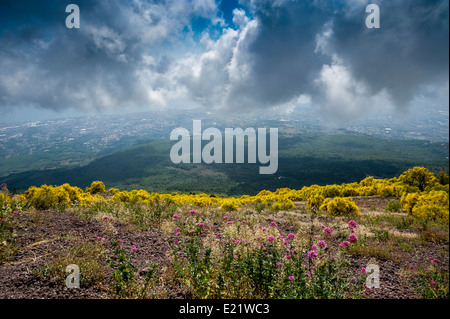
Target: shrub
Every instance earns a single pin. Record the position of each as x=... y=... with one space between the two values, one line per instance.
x=96 y=187
x=314 y=202
x=394 y=206
x=428 y=206
x=229 y=205
x=419 y=177
x=340 y=206
x=2 y=199
x=408 y=201
x=331 y=191
x=285 y=204
x=442 y=178
x=46 y=197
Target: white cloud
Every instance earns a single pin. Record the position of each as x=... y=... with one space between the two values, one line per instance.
x=342 y=97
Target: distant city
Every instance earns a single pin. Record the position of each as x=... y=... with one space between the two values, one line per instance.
x=75 y=141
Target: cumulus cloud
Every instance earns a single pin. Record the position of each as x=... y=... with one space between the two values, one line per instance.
x=269 y=54
x=104 y=64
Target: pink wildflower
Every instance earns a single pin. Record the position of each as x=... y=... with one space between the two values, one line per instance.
x=291 y=278
x=344 y=244
x=225 y=217
x=352 y=238
x=321 y=243
x=270 y=239
x=200 y=224
x=105 y=217
x=314 y=247
x=229 y=223
x=352 y=224
x=178 y=234
x=363 y=269
x=134 y=248
x=312 y=255
x=291 y=236
x=192 y=212
x=244 y=222
x=327 y=231
x=219 y=235
x=176 y=216
x=273 y=224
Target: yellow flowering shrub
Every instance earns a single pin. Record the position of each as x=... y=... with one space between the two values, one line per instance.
x=331 y=191
x=229 y=205
x=431 y=206
x=314 y=202
x=2 y=199
x=340 y=206
x=96 y=187
x=285 y=204
x=408 y=201
x=334 y=199
x=419 y=177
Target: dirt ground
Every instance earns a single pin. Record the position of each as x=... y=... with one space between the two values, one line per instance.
x=39 y=240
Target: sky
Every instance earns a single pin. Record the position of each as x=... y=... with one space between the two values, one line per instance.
x=232 y=56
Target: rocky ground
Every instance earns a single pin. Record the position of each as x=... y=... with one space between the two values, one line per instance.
x=42 y=236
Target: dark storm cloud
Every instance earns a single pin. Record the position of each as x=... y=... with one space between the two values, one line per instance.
x=296 y=39
x=283 y=51
x=267 y=53
x=410 y=49
x=97 y=66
